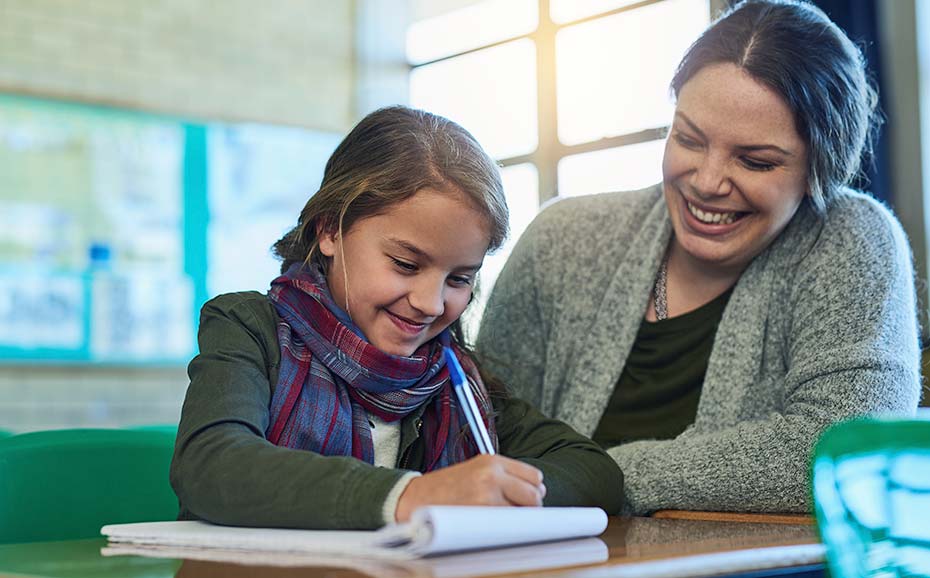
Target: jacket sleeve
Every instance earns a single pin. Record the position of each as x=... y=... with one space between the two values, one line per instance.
x=226 y=472
x=851 y=349
x=576 y=471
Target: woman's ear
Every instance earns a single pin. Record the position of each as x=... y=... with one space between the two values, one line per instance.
x=327 y=241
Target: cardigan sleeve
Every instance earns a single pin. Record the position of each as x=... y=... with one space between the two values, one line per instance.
x=851 y=349
x=226 y=472
x=512 y=339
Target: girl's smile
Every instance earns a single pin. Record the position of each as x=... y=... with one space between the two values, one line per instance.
x=407 y=273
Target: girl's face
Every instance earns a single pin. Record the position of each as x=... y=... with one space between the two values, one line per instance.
x=406 y=274
x=735 y=168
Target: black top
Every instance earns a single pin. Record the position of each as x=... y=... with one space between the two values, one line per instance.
x=657 y=394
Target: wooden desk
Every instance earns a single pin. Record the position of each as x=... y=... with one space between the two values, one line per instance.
x=627 y=541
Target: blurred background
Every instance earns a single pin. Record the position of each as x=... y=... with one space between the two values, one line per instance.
x=152 y=151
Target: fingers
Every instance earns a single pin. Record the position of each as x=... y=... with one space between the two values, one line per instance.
x=521 y=484
x=523 y=471
x=521 y=493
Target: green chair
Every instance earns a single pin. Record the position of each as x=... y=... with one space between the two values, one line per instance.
x=871 y=483
x=66 y=484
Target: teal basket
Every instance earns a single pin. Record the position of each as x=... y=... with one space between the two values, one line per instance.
x=871 y=483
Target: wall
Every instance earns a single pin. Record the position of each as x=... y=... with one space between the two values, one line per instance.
x=909 y=170
x=288 y=62
x=223 y=59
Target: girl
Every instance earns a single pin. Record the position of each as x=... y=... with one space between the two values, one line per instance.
x=326 y=403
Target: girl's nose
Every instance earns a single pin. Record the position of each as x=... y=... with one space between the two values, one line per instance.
x=427 y=296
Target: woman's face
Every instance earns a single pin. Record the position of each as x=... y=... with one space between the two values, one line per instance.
x=735 y=168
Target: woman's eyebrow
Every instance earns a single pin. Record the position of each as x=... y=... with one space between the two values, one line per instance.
x=750 y=147
x=690 y=124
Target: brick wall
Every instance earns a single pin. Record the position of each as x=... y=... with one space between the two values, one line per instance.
x=286 y=61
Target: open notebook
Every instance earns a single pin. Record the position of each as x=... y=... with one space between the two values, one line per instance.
x=431 y=530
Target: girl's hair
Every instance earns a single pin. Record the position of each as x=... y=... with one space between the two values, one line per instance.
x=387 y=158
x=796 y=50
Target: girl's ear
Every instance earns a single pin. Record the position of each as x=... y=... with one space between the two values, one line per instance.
x=327 y=241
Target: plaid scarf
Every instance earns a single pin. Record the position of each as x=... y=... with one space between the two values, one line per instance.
x=331 y=378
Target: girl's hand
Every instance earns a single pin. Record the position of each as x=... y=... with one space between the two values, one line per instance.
x=481 y=481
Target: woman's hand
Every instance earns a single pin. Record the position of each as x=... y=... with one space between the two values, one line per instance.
x=481 y=481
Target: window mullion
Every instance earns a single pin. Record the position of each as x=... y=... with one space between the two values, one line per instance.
x=547 y=152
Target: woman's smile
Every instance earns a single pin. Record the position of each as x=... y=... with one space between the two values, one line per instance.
x=707 y=220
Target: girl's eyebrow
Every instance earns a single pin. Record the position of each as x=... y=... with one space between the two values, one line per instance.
x=410 y=247
x=756 y=147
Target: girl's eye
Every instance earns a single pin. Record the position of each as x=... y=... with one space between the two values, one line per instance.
x=460 y=280
x=755 y=165
x=404 y=265
x=686 y=141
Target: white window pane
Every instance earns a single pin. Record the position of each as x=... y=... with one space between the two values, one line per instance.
x=624 y=168
x=568 y=10
x=521 y=187
x=470 y=27
x=614 y=72
x=492 y=93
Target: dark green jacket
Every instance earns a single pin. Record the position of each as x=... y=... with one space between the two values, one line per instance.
x=225 y=471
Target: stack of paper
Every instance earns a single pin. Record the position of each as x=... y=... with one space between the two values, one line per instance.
x=432 y=530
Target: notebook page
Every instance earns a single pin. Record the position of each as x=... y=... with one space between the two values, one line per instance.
x=441 y=529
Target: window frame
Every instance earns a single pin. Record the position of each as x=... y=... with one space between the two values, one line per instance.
x=549 y=149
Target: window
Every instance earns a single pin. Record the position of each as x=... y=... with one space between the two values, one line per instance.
x=570 y=96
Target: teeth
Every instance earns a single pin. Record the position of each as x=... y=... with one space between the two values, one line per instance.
x=711 y=218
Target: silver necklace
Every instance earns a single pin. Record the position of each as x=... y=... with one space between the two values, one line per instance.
x=660 y=293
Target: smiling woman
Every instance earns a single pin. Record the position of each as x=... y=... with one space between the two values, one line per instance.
x=706 y=330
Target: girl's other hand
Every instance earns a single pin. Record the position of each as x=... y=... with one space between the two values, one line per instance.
x=481 y=481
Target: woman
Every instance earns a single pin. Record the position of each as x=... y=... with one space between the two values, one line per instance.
x=708 y=329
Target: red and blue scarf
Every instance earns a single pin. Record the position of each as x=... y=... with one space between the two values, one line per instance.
x=331 y=379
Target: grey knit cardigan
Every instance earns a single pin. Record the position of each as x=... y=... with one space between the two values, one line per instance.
x=820 y=327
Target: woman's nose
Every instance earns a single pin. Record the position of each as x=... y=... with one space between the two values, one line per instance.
x=710 y=178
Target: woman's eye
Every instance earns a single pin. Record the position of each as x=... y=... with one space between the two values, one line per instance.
x=686 y=141
x=404 y=265
x=755 y=165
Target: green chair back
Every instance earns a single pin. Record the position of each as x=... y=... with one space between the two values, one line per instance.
x=66 y=484
x=871 y=483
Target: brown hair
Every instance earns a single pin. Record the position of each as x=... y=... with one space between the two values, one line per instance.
x=389 y=156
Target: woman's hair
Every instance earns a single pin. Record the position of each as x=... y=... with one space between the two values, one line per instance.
x=793 y=48
x=387 y=158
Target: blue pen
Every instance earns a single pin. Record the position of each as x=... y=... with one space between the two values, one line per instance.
x=467 y=402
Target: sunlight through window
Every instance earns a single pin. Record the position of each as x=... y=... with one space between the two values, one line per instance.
x=618 y=169
x=470 y=27
x=492 y=93
x=614 y=72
